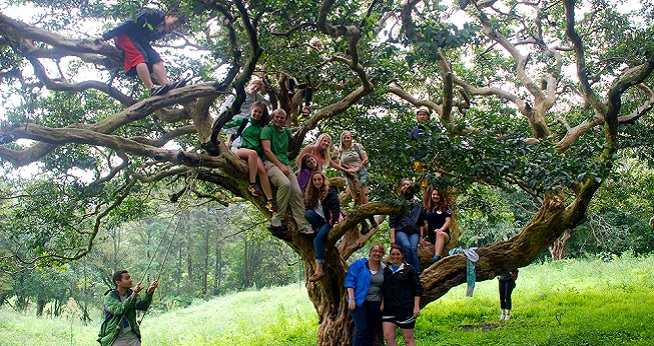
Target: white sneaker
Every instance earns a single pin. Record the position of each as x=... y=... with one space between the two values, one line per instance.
x=307 y=230
x=502 y=316
x=275 y=223
x=507 y=316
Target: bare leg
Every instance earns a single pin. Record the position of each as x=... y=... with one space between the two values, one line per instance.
x=250 y=156
x=144 y=74
x=363 y=195
x=409 y=340
x=319 y=270
x=389 y=333
x=160 y=72
x=441 y=239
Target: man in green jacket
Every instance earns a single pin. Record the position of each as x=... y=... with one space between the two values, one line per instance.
x=119 y=327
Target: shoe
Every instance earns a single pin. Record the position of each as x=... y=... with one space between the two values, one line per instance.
x=272 y=205
x=373 y=223
x=507 y=316
x=276 y=223
x=364 y=227
x=316 y=277
x=157 y=90
x=255 y=190
x=308 y=230
x=305 y=111
x=178 y=84
x=437 y=258
x=502 y=316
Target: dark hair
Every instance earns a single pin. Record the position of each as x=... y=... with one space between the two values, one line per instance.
x=265 y=117
x=305 y=160
x=430 y=206
x=177 y=14
x=118 y=276
x=397 y=247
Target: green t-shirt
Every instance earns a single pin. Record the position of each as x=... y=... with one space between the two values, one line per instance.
x=279 y=142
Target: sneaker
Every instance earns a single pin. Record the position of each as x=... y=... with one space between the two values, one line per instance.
x=178 y=84
x=502 y=316
x=255 y=189
x=272 y=205
x=276 y=223
x=507 y=316
x=157 y=90
x=308 y=230
x=437 y=258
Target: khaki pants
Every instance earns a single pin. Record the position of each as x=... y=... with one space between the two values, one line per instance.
x=288 y=194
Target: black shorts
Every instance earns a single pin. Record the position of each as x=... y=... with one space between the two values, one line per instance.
x=135 y=52
x=402 y=317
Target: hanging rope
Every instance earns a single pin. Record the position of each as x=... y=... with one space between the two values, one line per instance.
x=170 y=243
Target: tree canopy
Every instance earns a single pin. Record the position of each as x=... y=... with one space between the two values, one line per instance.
x=538 y=96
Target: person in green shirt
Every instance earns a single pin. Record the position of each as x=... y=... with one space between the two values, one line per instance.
x=275 y=139
x=119 y=327
x=246 y=144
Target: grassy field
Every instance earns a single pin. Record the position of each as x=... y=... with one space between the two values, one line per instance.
x=588 y=302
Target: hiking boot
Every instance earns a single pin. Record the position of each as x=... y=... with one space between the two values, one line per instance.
x=364 y=227
x=272 y=205
x=157 y=90
x=255 y=189
x=373 y=223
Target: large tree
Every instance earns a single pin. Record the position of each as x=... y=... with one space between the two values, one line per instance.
x=534 y=95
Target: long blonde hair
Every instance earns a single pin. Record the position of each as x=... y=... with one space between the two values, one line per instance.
x=316 y=145
x=314 y=194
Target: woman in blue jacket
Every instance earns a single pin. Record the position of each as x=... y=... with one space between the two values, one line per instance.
x=364 y=282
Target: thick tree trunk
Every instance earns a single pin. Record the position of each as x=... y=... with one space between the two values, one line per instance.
x=328 y=297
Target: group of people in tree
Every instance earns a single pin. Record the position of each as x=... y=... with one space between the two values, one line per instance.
x=314 y=205
x=376 y=291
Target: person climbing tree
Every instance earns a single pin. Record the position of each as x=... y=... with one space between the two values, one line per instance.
x=134 y=37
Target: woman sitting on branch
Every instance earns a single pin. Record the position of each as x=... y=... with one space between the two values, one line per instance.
x=323 y=212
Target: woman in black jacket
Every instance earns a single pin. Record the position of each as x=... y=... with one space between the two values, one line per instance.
x=322 y=211
x=401 y=298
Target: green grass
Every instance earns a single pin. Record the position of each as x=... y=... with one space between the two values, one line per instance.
x=588 y=302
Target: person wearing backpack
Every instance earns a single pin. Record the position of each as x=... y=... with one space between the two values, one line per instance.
x=506 y=284
x=119 y=327
x=246 y=144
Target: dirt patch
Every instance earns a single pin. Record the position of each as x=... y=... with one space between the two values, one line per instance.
x=483 y=326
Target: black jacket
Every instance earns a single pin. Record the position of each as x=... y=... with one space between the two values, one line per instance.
x=331 y=206
x=408 y=222
x=149 y=26
x=401 y=288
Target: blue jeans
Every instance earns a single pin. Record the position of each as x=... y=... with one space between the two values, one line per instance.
x=409 y=244
x=322 y=227
x=366 y=319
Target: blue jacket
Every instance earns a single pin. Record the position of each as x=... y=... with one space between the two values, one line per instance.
x=358 y=278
